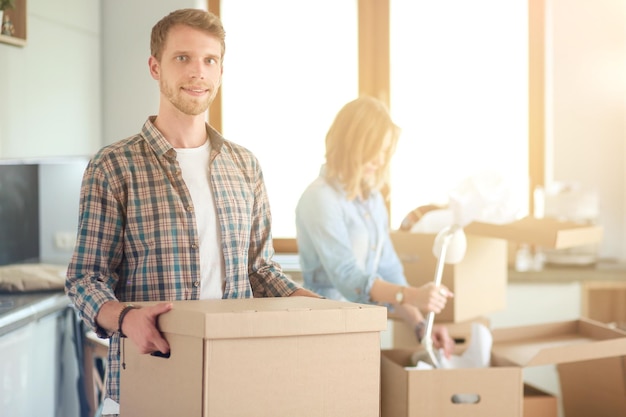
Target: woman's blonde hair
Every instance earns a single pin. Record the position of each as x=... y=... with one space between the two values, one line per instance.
x=355 y=138
x=195 y=18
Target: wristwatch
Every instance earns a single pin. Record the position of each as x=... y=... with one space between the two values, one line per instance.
x=400 y=296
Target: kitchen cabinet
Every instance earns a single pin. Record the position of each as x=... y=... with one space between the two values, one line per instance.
x=38 y=367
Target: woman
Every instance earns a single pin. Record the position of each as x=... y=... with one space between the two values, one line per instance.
x=342 y=223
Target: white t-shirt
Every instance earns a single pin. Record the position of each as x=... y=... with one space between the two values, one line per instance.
x=194 y=164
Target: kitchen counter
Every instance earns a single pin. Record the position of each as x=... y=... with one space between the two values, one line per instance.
x=19 y=309
x=600 y=271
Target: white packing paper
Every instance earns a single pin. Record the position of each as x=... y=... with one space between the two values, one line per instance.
x=477 y=354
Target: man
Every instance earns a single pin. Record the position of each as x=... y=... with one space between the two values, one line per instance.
x=175 y=212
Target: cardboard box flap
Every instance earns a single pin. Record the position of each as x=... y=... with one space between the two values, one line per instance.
x=267 y=317
x=554 y=343
x=546 y=232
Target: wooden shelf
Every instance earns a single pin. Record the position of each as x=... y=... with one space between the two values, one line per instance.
x=12 y=40
x=18 y=17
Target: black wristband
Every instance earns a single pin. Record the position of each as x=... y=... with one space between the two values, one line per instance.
x=120 y=319
x=420 y=328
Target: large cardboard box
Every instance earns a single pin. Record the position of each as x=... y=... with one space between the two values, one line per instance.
x=589 y=359
x=432 y=393
x=291 y=356
x=499 y=389
x=479 y=281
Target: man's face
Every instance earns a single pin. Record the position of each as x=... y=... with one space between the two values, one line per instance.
x=190 y=71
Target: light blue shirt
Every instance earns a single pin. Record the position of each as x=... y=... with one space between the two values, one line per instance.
x=344 y=245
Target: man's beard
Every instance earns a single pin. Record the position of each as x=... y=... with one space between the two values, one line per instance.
x=186 y=104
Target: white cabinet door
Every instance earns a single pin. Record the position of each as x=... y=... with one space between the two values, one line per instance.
x=28 y=369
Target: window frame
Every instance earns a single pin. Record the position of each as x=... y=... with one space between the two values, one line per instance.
x=374 y=56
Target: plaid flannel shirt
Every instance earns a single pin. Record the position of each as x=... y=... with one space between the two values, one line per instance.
x=137 y=236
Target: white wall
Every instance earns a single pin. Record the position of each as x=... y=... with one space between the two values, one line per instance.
x=130 y=94
x=58 y=206
x=50 y=89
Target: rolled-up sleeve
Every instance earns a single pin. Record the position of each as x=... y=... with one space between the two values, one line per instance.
x=333 y=245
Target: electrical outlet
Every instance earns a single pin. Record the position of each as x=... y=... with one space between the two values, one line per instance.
x=64 y=240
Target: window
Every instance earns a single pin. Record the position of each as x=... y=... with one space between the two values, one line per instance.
x=288 y=69
x=458 y=88
x=459 y=91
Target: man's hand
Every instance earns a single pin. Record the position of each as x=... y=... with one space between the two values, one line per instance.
x=140 y=326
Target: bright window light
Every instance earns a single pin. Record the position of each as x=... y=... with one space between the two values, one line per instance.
x=459 y=91
x=288 y=69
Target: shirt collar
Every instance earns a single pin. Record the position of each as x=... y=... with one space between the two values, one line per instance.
x=161 y=146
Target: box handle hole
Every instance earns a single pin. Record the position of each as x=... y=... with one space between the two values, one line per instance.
x=160 y=354
x=465 y=399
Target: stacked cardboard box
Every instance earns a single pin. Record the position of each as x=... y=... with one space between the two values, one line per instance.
x=479 y=282
x=293 y=356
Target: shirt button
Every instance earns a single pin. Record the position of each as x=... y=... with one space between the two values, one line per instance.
x=196 y=284
x=194 y=246
x=190 y=209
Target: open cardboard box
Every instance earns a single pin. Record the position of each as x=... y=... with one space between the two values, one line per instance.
x=479 y=281
x=590 y=361
x=546 y=232
x=403 y=335
x=538 y=403
x=499 y=388
x=290 y=356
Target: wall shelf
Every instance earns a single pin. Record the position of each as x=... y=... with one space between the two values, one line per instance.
x=12 y=40
x=18 y=18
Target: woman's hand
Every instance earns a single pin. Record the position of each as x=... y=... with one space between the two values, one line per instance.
x=442 y=340
x=429 y=297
